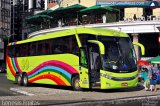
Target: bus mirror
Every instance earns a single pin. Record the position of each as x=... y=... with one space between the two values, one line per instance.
x=100 y=44
x=141 y=46
x=83 y=57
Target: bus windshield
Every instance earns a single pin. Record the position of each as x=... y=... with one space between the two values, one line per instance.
x=119 y=54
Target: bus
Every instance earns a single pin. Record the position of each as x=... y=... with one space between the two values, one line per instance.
x=92 y=58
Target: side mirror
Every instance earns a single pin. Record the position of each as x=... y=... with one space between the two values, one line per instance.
x=141 y=46
x=100 y=44
x=83 y=57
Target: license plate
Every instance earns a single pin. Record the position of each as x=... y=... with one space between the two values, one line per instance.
x=124 y=84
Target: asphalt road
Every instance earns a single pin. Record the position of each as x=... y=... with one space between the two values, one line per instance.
x=50 y=95
x=5 y=86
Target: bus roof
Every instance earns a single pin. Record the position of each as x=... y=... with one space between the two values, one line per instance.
x=82 y=30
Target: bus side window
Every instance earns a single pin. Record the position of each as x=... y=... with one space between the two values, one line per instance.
x=23 y=50
x=32 y=49
x=47 y=47
x=17 y=51
x=11 y=51
x=64 y=45
x=57 y=49
x=26 y=50
x=52 y=46
x=40 y=48
x=57 y=45
x=75 y=48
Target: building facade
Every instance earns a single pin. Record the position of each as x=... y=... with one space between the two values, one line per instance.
x=128 y=8
x=5 y=18
x=87 y=3
x=21 y=9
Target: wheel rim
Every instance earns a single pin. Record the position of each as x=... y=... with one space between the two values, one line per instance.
x=25 y=80
x=77 y=85
x=19 y=79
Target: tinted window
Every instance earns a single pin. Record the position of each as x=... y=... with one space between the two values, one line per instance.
x=65 y=45
x=59 y=45
x=85 y=37
x=11 y=51
x=32 y=49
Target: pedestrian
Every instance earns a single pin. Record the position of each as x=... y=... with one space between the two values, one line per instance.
x=104 y=18
x=157 y=70
x=153 y=78
x=145 y=76
x=134 y=17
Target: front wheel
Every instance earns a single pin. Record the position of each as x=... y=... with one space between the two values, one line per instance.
x=76 y=83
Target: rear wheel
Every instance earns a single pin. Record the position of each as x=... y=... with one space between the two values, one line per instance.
x=25 y=80
x=76 y=83
x=18 y=80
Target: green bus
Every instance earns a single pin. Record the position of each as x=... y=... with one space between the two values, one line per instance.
x=79 y=57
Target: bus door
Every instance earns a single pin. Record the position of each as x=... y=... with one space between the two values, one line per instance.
x=94 y=65
x=95 y=50
x=89 y=66
x=90 y=58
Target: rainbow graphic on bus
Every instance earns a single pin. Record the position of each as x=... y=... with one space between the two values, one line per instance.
x=54 y=68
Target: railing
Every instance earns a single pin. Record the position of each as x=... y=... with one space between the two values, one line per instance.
x=147 y=18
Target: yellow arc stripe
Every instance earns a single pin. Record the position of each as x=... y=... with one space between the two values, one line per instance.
x=57 y=75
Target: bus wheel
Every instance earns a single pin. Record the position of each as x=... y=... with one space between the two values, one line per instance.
x=19 y=80
x=76 y=83
x=25 y=80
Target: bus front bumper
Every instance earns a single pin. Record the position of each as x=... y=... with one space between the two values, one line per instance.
x=111 y=84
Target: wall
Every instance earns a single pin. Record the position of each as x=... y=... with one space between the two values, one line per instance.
x=129 y=12
x=86 y=3
x=156 y=12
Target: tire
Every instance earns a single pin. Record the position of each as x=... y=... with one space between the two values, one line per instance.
x=19 y=80
x=76 y=83
x=16 y=79
x=25 y=80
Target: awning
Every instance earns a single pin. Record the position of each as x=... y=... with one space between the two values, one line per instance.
x=64 y=10
x=75 y=7
x=155 y=60
x=56 y=11
x=44 y=12
x=37 y=18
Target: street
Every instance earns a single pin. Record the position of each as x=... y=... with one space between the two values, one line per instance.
x=5 y=86
x=11 y=93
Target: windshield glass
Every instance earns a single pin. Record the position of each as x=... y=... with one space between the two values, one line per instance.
x=119 y=54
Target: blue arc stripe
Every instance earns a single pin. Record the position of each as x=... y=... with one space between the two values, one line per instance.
x=51 y=67
x=14 y=65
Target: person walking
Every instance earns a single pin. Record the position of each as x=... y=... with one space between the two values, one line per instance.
x=145 y=76
x=153 y=78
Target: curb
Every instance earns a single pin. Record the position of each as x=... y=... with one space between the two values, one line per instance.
x=120 y=101
x=21 y=92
